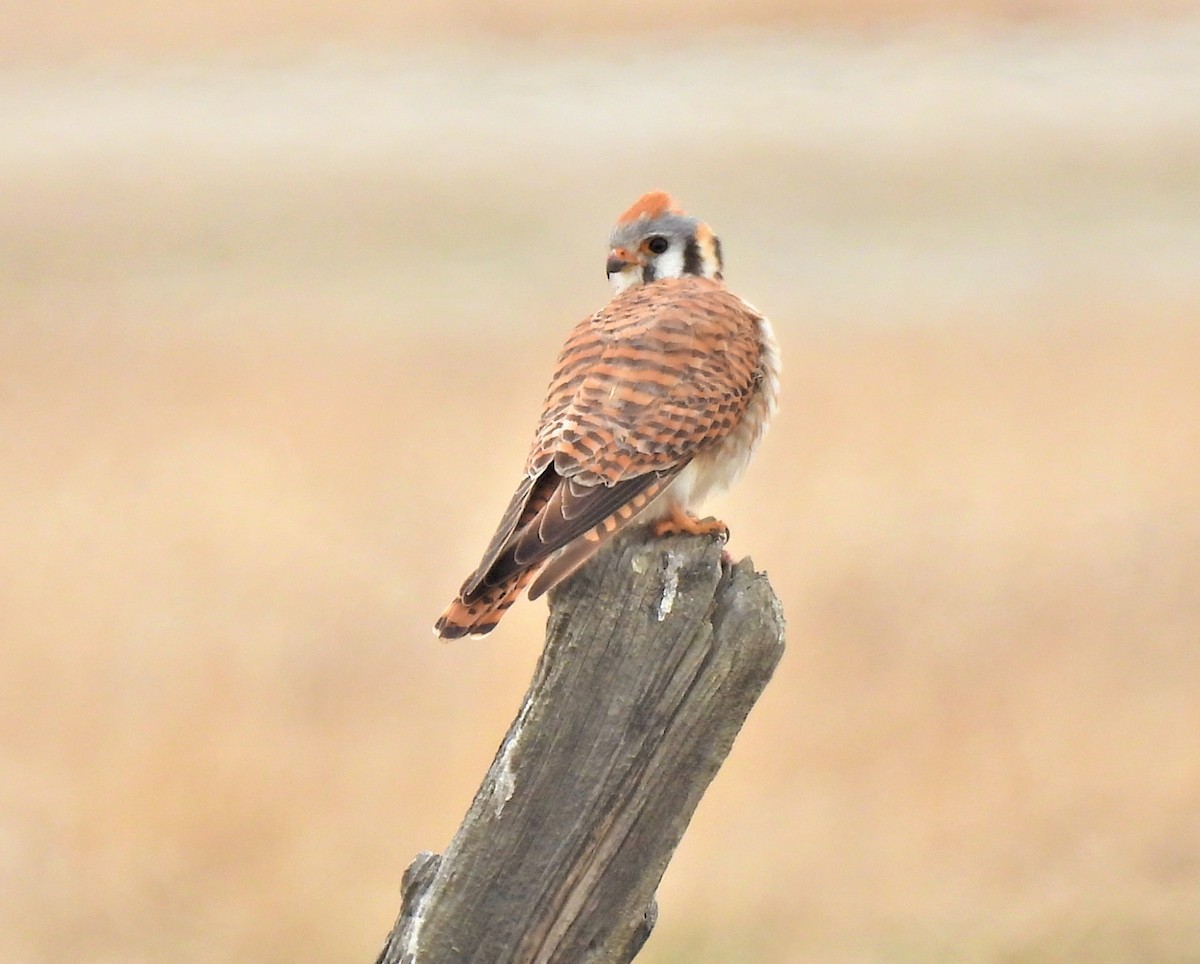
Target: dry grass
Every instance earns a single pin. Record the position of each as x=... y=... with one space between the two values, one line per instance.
x=257 y=427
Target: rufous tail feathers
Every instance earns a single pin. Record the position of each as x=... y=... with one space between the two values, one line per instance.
x=479 y=615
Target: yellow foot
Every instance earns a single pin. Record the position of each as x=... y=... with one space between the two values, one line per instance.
x=680 y=522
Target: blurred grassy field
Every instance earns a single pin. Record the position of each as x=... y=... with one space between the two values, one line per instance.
x=274 y=335
x=68 y=30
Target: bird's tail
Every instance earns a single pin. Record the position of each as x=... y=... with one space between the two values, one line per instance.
x=479 y=614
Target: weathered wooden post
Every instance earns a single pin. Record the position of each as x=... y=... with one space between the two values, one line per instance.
x=655 y=652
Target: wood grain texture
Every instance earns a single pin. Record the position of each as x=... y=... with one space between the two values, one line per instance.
x=655 y=653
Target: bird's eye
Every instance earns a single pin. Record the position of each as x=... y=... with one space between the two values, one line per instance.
x=657 y=244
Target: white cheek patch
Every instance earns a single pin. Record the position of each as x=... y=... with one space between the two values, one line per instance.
x=669 y=264
x=626 y=279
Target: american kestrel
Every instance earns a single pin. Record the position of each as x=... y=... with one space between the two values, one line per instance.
x=657 y=400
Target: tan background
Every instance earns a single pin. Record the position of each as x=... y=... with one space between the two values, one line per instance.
x=280 y=286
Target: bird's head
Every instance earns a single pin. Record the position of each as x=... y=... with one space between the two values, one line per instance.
x=655 y=239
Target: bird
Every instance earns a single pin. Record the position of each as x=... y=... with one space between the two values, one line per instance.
x=657 y=400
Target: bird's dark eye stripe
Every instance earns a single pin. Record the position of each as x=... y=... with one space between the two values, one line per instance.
x=657 y=244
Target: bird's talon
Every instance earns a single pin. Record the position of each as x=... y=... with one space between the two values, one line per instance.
x=681 y=523
x=720 y=528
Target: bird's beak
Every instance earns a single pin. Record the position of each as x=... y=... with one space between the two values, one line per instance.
x=618 y=260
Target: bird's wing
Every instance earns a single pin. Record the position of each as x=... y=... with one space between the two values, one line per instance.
x=663 y=372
